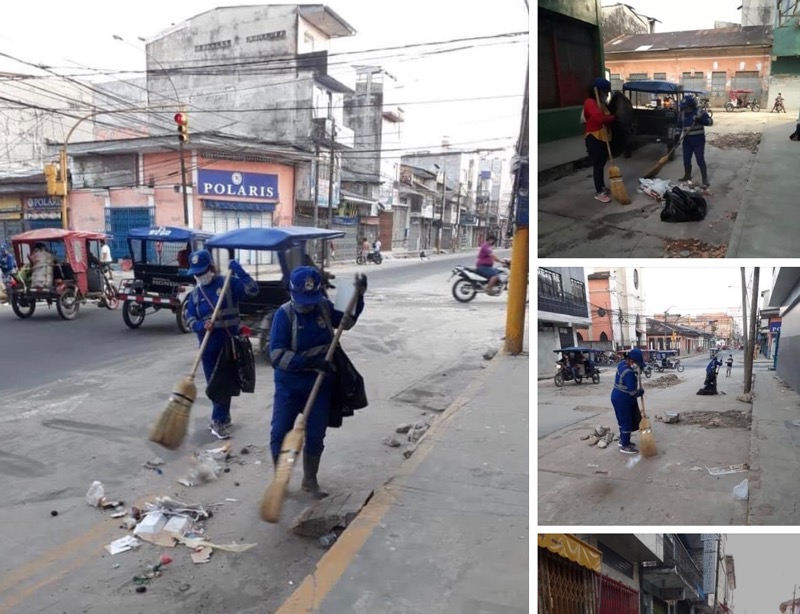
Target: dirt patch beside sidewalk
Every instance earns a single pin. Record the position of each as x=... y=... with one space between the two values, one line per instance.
x=737 y=140
x=665 y=381
x=717 y=419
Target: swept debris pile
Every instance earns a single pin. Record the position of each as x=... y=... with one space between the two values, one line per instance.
x=739 y=140
x=601 y=436
x=694 y=248
x=718 y=419
x=665 y=381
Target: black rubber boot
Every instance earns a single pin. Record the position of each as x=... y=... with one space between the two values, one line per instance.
x=687 y=174
x=310 y=468
x=705 y=180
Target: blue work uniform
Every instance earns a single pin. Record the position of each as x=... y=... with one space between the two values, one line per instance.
x=298 y=343
x=7 y=264
x=200 y=306
x=695 y=140
x=711 y=369
x=623 y=398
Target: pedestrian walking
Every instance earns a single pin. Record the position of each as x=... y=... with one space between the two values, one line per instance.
x=302 y=331
x=596 y=118
x=693 y=121
x=729 y=363
x=199 y=307
x=624 y=397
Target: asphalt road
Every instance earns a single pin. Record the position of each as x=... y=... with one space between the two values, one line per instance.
x=45 y=348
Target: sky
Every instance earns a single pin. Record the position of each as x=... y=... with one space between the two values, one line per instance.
x=764 y=576
x=675 y=17
x=697 y=290
x=80 y=34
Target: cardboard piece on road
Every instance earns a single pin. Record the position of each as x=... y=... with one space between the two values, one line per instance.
x=199 y=542
x=151 y=529
x=177 y=526
x=202 y=555
x=123 y=544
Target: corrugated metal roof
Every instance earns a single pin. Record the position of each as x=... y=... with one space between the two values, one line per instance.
x=748 y=36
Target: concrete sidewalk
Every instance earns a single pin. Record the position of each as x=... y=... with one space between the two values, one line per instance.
x=774 y=450
x=449 y=533
x=767 y=224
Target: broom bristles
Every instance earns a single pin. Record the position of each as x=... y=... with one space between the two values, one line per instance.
x=618 y=191
x=647 y=440
x=171 y=426
x=272 y=501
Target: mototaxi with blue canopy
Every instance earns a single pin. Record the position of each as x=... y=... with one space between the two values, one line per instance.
x=290 y=245
x=658 y=124
x=161 y=279
x=583 y=360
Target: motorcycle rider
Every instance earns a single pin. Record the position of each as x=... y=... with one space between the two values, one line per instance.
x=483 y=265
x=693 y=121
x=624 y=399
x=8 y=266
x=365 y=248
x=778 y=106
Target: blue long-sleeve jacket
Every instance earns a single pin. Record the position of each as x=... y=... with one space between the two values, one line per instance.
x=297 y=339
x=202 y=302
x=712 y=365
x=703 y=119
x=626 y=384
x=7 y=264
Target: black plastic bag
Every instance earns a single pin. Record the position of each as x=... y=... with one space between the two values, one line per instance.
x=224 y=381
x=680 y=206
x=245 y=362
x=349 y=392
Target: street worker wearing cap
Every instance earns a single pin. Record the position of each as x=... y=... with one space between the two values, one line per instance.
x=199 y=307
x=693 y=121
x=596 y=118
x=301 y=333
x=624 y=399
x=711 y=371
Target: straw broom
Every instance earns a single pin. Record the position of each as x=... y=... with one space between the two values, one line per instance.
x=272 y=501
x=662 y=161
x=618 y=191
x=170 y=429
x=647 y=440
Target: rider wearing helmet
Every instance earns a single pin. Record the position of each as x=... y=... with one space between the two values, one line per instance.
x=8 y=266
x=693 y=121
x=298 y=342
x=623 y=398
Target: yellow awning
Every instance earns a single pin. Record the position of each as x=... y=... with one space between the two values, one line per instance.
x=573 y=549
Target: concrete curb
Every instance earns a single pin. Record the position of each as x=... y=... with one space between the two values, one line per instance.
x=754 y=475
x=308 y=597
x=735 y=241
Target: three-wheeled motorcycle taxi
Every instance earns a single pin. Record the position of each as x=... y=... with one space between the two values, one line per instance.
x=161 y=279
x=583 y=360
x=59 y=266
x=289 y=243
x=656 y=113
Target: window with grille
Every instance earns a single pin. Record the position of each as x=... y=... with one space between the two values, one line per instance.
x=578 y=291
x=565 y=587
x=638 y=76
x=661 y=76
x=550 y=284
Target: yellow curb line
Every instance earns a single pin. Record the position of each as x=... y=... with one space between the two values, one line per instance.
x=308 y=597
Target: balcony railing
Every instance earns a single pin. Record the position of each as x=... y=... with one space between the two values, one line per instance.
x=567 y=305
x=676 y=555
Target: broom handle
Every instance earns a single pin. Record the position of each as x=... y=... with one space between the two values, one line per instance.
x=351 y=305
x=608 y=145
x=214 y=315
x=641 y=398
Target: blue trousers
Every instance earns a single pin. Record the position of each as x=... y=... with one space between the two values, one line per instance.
x=695 y=145
x=291 y=394
x=624 y=408
x=220 y=412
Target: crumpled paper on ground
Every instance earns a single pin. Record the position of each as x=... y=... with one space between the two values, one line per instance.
x=198 y=542
x=655 y=188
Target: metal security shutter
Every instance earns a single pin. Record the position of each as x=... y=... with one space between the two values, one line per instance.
x=748 y=80
x=217 y=221
x=616 y=82
x=9 y=228
x=638 y=76
x=38 y=224
x=718 y=89
x=119 y=220
x=693 y=82
x=660 y=76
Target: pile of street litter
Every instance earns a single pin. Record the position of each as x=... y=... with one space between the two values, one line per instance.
x=665 y=381
x=655 y=188
x=601 y=436
x=694 y=248
x=718 y=419
x=739 y=140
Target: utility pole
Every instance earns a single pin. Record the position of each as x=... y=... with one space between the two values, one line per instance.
x=750 y=349
x=744 y=310
x=330 y=190
x=441 y=213
x=183 y=186
x=716 y=572
x=457 y=229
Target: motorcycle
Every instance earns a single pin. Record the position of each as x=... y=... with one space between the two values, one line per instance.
x=470 y=283
x=778 y=106
x=371 y=257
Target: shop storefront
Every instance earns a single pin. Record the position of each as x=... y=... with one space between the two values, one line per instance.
x=232 y=200
x=42 y=212
x=10 y=217
x=569 y=575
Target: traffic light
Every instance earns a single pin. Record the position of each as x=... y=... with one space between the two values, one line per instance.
x=50 y=173
x=182 y=119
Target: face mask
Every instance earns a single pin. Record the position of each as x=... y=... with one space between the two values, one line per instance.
x=302 y=308
x=205 y=279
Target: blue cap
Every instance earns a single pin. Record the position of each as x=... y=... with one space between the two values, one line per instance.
x=3 y=247
x=305 y=285
x=636 y=356
x=199 y=262
x=602 y=85
x=688 y=101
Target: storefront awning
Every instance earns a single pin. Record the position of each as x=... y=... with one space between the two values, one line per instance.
x=232 y=205
x=573 y=549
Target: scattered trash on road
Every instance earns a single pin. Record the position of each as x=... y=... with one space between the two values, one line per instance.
x=739 y=140
x=95 y=494
x=694 y=248
x=123 y=544
x=740 y=491
x=728 y=469
x=202 y=554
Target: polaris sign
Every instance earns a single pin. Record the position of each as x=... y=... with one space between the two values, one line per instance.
x=244 y=185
